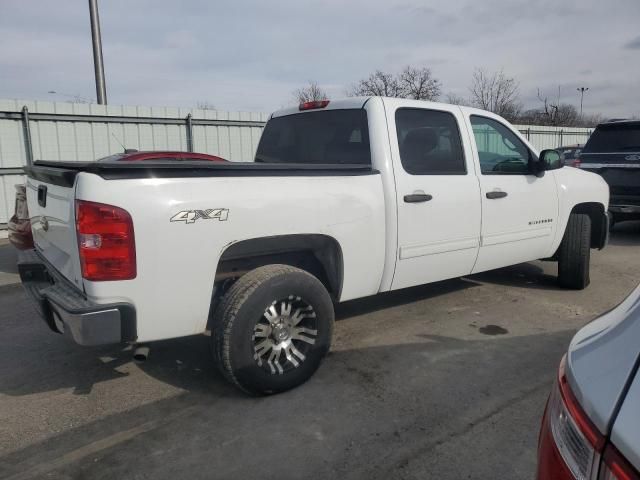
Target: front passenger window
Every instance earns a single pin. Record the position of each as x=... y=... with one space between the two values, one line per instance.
x=501 y=152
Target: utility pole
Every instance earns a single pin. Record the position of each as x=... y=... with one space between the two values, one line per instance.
x=582 y=90
x=101 y=88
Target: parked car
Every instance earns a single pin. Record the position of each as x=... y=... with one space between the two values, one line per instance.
x=346 y=199
x=591 y=426
x=131 y=155
x=570 y=154
x=19 y=224
x=613 y=151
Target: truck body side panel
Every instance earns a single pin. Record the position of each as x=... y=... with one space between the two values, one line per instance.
x=177 y=260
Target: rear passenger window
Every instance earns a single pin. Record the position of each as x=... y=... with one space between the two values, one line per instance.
x=429 y=142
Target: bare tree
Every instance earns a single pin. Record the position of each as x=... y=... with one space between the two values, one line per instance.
x=557 y=114
x=563 y=115
x=79 y=99
x=455 y=99
x=379 y=83
x=412 y=82
x=591 y=120
x=567 y=115
x=419 y=84
x=205 y=105
x=496 y=92
x=310 y=93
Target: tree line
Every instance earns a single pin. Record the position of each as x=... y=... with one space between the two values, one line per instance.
x=494 y=91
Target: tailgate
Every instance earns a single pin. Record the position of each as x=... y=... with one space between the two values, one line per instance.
x=51 y=208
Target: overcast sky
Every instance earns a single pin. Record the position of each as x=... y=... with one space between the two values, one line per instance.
x=250 y=55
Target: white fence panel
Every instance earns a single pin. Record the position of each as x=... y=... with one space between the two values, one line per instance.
x=542 y=137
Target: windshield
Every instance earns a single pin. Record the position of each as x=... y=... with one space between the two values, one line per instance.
x=614 y=138
x=323 y=137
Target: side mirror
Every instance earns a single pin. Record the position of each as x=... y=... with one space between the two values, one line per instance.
x=551 y=159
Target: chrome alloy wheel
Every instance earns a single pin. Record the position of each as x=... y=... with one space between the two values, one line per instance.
x=284 y=334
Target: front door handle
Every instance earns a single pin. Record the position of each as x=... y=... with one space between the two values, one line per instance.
x=417 y=198
x=496 y=194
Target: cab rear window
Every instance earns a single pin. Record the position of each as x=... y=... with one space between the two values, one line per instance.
x=322 y=137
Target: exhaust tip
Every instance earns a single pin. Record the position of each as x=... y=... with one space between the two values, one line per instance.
x=141 y=353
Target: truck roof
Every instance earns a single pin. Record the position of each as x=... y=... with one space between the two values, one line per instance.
x=359 y=102
x=339 y=104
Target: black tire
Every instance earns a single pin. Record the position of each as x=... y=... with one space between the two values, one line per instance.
x=574 y=253
x=245 y=305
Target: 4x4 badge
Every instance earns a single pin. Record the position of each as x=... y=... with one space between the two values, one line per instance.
x=190 y=216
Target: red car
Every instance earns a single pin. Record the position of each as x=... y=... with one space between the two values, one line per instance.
x=136 y=156
x=20 y=224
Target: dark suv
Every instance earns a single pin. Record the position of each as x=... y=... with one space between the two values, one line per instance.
x=613 y=151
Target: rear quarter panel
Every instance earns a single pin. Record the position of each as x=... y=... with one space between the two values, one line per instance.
x=176 y=261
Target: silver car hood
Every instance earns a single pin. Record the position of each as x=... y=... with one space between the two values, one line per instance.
x=601 y=359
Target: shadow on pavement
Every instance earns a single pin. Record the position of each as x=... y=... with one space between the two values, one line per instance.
x=38 y=360
x=400 y=297
x=33 y=359
x=377 y=412
x=524 y=275
x=8 y=258
x=626 y=234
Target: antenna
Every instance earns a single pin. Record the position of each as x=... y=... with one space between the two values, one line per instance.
x=121 y=144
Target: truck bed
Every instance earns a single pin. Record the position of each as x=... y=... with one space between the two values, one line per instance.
x=178 y=256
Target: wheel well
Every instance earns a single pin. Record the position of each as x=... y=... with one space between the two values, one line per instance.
x=319 y=255
x=599 y=227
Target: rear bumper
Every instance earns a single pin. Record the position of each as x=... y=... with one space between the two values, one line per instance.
x=624 y=209
x=625 y=203
x=66 y=310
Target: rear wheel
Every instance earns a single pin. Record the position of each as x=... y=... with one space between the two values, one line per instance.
x=574 y=254
x=272 y=329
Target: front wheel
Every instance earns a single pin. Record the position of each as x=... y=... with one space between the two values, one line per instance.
x=574 y=254
x=272 y=329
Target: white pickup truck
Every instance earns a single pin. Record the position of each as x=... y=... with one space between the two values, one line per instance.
x=345 y=199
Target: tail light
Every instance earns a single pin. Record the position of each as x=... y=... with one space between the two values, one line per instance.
x=106 y=242
x=571 y=447
x=569 y=442
x=616 y=467
x=313 y=105
x=576 y=162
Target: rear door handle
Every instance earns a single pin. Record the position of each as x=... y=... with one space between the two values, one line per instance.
x=417 y=198
x=496 y=194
